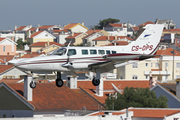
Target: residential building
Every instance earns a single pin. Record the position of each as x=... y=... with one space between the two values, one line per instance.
x=45 y=47
x=75 y=38
x=119 y=29
x=12 y=35
x=7 y=46
x=41 y=36
x=9 y=71
x=49 y=27
x=105 y=40
x=168 y=24
x=165 y=67
x=171 y=91
x=76 y=28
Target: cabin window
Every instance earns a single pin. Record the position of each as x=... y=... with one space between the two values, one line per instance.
x=71 y=52
x=92 y=52
x=108 y=52
x=84 y=52
x=101 y=52
x=113 y=52
x=4 y=48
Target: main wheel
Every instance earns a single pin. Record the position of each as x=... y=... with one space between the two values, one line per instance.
x=59 y=82
x=32 y=84
x=95 y=82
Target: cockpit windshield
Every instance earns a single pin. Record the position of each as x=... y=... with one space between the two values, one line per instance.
x=60 y=51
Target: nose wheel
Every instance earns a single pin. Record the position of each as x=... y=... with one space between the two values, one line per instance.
x=32 y=84
x=95 y=82
x=59 y=82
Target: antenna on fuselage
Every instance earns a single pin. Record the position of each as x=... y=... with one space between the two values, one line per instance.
x=69 y=44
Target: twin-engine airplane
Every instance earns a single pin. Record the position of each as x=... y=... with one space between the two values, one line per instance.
x=95 y=59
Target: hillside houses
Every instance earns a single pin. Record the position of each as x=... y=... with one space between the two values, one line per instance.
x=49 y=100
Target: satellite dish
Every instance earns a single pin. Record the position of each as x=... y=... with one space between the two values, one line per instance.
x=116 y=88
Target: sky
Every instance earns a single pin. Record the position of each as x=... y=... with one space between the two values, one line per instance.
x=63 y=12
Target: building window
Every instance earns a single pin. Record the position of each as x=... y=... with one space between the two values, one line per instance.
x=135 y=65
x=4 y=48
x=157 y=65
x=147 y=76
x=151 y=64
x=146 y=64
x=135 y=77
x=177 y=65
x=166 y=65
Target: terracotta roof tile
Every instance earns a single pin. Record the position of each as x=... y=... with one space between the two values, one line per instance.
x=103 y=113
x=2 y=39
x=69 y=26
x=136 y=28
x=45 y=26
x=117 y=24
x=34 y=54
x=6 y=57
x=148 y=22
x=92 y=31
x=12 y=80
x=121 y=84
x=112 y=38
x=118 y=43
x=153 y=113
x=36 y=33
x=43 y=44
x=167 y=51
x=74 y=36
x=48 y=96
x=20 y=28
x=4 y=68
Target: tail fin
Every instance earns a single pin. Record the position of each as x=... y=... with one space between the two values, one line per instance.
x=148 y=42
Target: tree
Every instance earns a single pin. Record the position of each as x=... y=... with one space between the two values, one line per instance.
x=20 y=44
x=136 y=97
x=103 y=23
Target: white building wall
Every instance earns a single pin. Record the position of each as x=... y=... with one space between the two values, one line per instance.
x=143 y=118
x=16 y=36
x=45 y=35
x=78 y=29
x=13 y=72
x=172 y=117
x=62 y=38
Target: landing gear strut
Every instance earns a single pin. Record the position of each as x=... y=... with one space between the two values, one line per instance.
x=59 y=81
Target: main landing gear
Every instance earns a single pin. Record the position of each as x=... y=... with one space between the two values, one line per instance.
x=59 y=81
x=96 y=80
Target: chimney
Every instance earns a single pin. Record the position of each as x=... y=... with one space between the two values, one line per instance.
x=29 y=34
x=72 y=81
x=115 y=37
x=15 y=27
x=27 y=90
x=83 y=23
x=99 y=88
x=178 y=88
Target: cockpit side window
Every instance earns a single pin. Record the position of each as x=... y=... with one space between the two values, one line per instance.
x=61 y=51
x=71 y=52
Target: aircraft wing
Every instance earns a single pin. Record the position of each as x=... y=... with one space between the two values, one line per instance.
x=104 y=66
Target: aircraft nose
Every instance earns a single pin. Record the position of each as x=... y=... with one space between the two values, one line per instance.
x=14 y=61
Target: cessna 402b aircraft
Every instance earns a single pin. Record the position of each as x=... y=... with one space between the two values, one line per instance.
x=95 y=59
